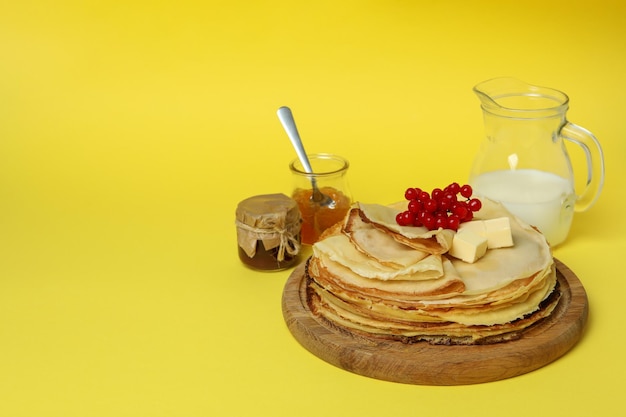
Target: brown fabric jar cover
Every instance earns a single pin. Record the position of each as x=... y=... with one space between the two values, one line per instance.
x=273 y=219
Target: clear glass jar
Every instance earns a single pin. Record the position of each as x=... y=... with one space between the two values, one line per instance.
x=330 y=177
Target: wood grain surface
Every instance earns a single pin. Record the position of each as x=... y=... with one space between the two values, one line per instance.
x=426 y=364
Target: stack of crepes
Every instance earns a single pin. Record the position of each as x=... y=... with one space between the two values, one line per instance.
x=376 y=278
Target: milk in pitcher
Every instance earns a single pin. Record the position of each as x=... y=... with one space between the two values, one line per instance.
x=540 y=198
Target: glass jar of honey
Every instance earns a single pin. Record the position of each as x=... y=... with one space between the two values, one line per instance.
x=329 y=179
x=268 y=231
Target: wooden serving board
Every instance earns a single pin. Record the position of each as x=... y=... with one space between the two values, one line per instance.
x=425 y=364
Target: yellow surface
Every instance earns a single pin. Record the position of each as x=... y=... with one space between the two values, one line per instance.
x=129 y=131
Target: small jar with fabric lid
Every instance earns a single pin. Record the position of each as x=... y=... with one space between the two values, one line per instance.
x=268 y=232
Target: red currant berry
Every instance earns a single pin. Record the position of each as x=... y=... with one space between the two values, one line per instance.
x=423 y=196
x=460 y=210
x=454 y=188
x=453 y=222
x=466 y=191
x=410 y=194
x=404 y=218
x=417 y=222
x=469 y=216
x=444 y=204
x=428 y=221
x=430 y=205
x=436 y=193
x=441 y=222
x=474 y=204
x=415 y=206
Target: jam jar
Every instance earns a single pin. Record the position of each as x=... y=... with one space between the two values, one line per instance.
x=268 y=232
x=330 y=178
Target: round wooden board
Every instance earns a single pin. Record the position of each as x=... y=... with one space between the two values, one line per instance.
x=426 y=364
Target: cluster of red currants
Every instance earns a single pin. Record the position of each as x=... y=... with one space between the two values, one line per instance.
x=442 y=208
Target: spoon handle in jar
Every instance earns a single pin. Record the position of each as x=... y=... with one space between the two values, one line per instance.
x=289 y=124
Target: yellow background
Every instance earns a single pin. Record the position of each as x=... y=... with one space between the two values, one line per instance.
x=130 y=130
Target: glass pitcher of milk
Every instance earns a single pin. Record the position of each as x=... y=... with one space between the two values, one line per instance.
x=523 y=161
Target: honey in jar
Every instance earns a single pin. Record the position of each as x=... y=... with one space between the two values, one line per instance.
x=268 y=232
x=330 y=177
x=317 y=218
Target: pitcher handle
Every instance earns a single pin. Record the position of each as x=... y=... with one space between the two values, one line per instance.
x=595 y=163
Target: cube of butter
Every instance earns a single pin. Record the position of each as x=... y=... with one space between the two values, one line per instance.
x=475 y=226
x=468 y=246
x=498 y=233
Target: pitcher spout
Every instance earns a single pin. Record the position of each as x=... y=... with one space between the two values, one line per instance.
x=510 y=97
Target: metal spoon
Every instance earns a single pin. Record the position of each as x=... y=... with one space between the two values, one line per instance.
x=286 y=118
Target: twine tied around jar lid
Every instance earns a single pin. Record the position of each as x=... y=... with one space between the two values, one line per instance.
x=273 y=219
